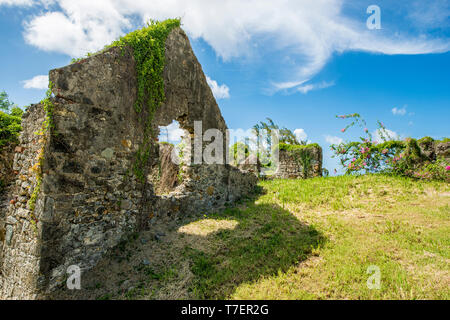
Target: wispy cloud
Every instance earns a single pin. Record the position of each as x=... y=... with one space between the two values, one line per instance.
x=314 y=86
x=432 y=14
x=38 y=82
x=399 y=111
x=219 y=91
x=333 y=139
x=287 y=85
x=16 y=2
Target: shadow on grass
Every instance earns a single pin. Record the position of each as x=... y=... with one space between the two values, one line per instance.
x=222 y=251
x=266 y=240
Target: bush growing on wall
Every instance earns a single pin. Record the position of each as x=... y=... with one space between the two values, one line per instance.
x=388 y=156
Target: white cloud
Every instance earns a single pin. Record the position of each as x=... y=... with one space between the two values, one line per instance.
x=287 y=85
x=16 y=2
x=308 y=32
x=82 y=26
x=388 y=135
x=219 y=91
x=38 y=82
x=300 y=134
x=333 y=139
x=171 y=133
x=399 y=112
x=314 y=86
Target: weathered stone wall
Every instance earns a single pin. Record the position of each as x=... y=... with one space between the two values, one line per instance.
x=291 y=165
x=89 y=197
x=166 y=176
x=21 y=252
x=6 y=162
x=434 y=150
x=6 y=177
x=442 y=150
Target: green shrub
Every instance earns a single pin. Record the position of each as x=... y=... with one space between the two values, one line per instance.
x=401 y=158
x=10 y=127
x=10 y=119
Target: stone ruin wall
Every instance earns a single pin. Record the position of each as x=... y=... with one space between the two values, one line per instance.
x=291 y=167
x=434 y=150
x=20 y=245
x=87 y=201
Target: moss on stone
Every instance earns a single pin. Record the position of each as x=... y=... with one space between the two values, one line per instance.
x=291 y=147
x=303 y=155
x=412 y=151
x=425 y=140
x=444 y=140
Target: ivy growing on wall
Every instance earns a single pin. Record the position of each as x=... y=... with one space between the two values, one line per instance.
x=148 y=46
x=47 y=126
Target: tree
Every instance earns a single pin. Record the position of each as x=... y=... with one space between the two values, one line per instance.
x=264 y=130
x=5 y=104
x=286 y=135
x=10 y=119
x=239 y=152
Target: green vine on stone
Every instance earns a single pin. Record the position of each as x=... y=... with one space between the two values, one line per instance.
x=47 y=125
x=148 y=46
x=301 y=154
x=48 y=108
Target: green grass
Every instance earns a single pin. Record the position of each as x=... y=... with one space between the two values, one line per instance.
x=398 y=224
x=315 y=239
x=301 y=239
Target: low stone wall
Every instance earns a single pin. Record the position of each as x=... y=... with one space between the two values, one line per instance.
x=80 y=172
x=300 y=162
x=434 y=149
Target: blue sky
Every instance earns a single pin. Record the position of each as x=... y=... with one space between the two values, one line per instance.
x=297 y=62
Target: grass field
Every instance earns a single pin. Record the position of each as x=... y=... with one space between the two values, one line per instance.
x=298 y=239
